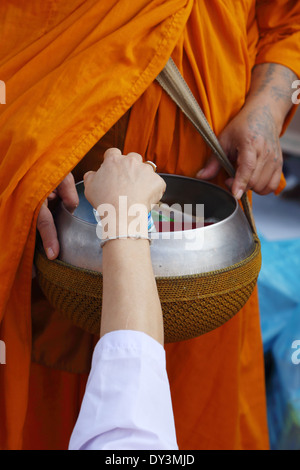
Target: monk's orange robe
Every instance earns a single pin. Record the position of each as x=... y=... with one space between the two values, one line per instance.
x=72 y=69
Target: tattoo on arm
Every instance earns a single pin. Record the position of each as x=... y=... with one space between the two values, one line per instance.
x=261 y=124
x=277 y=79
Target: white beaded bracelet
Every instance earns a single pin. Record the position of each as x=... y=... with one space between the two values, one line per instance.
x=124 y=237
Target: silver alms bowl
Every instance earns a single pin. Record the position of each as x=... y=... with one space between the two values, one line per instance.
x=226 y=242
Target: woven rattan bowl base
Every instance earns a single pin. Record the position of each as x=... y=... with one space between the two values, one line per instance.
x=192 y=305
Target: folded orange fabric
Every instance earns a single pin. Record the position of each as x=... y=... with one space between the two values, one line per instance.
x=72 y=68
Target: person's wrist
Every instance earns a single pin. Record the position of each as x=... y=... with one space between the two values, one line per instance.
x=127 y=244
x=264 y=101
x=123 y=225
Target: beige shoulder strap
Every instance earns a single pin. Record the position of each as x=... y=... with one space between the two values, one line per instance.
x=174 y=84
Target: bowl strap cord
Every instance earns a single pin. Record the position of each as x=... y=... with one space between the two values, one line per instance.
x=171 y=80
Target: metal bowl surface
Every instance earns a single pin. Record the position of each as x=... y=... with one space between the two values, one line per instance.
x=200 y=250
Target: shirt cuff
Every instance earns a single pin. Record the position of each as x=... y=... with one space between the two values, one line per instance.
x=127 y=402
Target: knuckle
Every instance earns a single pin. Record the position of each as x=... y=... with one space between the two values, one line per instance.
x=257 y=188
x=69 y=179
x=265 y=191
x=248 y=141
x=271 y=188
x=110 y=152
x=43 y=222
x=274 y=184
x=43 y=227
x=109 y=163
x=249 y=164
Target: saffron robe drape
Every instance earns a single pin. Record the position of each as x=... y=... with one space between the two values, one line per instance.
x=72 y=69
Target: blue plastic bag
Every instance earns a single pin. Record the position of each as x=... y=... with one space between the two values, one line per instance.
x=279 y=298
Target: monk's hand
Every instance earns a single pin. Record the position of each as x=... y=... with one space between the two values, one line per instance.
x=251 y=142
x=66 y=191
x=251 y=139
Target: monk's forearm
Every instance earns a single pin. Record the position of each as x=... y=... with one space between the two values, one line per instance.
x=271 y=88
x=130 y=297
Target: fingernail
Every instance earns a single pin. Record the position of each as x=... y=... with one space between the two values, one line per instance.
x=50 y=253
x=239 y=194
x=199 y=173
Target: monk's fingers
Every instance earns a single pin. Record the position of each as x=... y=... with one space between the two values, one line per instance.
x=210 y=170
x=47 y=230
x=260 y=177
x=68 y=193
x=246 y=165
x=52 y=196
x=229 y=183
x=267 y=174
x=272 y=183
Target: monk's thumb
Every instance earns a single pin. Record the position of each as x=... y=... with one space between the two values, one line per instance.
x=210 y=170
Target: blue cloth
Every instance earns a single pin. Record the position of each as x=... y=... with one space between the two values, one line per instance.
x=279 y=298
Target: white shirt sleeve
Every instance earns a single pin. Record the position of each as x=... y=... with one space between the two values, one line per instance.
x=127 y=401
